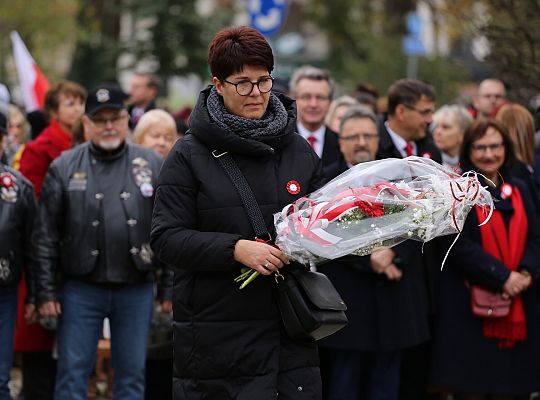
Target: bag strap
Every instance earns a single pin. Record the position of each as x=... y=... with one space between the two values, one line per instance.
x=246 y=194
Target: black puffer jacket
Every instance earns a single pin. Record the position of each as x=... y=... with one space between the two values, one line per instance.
x=229 y=343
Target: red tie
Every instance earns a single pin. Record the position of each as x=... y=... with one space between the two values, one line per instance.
x=312 y=140
x=409 y=149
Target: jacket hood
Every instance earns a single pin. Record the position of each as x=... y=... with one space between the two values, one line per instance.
x=216 y=138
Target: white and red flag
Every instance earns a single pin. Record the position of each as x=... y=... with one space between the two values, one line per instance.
x=33 y=83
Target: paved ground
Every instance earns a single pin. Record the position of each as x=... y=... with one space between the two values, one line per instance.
x=16 y=379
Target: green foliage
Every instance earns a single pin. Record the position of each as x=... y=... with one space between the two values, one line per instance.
x=514 y=34
x=366 y=39
x=46 y=27
x=178 y=36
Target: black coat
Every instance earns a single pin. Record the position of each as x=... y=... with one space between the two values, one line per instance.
x=462 y=359
x=17 y=214
x=383 y=315
x=229 y=343
x=387 y=149
x=331 y=152
x=432 y=252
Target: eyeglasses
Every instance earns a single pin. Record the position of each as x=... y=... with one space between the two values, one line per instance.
x=366 y=137
x=102 y=122
x=483 y=148
x=424 y=113
x=308 y=97
x=495 y=96
x=245 y=87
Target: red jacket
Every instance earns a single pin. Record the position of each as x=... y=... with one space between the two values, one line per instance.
x=40 y=152
x=36 y=158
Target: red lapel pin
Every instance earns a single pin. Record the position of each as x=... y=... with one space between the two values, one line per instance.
x=293 y=187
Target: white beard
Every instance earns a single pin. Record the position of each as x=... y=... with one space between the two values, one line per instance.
x=110 y=144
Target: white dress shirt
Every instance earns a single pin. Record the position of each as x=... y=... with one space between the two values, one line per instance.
x=319 y=136
x=399 y=142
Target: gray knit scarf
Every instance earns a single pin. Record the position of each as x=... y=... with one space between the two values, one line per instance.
x=272 y=123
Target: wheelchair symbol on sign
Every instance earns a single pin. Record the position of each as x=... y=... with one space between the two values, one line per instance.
x=267 y=16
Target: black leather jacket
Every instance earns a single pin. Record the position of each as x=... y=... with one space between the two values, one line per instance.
x=17 y=214
x=94 y=218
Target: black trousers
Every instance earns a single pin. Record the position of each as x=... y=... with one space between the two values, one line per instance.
x=39 y=374
x=159 y=377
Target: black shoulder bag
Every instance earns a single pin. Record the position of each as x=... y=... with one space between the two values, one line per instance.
x=310 y=306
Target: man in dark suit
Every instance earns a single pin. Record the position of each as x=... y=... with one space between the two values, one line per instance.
x=312 y=88
x=142 y=96
x=405 y=133
x=386 y=310
x=410 y=112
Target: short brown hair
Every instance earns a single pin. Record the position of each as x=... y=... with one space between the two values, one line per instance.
x=67 y=88
x=408 y=92
x=476 y=131
x=154 y=81
x=234 y=48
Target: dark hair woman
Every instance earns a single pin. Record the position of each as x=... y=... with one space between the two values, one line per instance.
x=230 y=343
x=490 y=356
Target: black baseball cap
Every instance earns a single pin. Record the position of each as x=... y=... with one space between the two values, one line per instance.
x=105 y=96
x=3 y=124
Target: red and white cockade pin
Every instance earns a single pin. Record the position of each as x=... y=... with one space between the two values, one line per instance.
x=506 y=191
x=293 y=187
x=7 y=180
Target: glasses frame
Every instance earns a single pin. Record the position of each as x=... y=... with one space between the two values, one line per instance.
x=257 y=82
x=366 y=137
x=423 y=113
x=101 y=123
x=494 y=148
x=308 y=97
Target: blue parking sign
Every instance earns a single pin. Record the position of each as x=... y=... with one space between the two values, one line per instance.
x=267 y=16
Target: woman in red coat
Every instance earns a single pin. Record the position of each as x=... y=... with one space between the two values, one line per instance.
x=64 y=105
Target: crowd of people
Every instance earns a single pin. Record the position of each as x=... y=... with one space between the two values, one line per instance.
x=109 y=213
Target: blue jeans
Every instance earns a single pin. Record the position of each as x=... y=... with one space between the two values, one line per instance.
x=380 y=369
x=84 y=306
x=8 y=316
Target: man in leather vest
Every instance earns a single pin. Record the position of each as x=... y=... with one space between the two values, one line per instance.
x=94 y=230
x=17 y=212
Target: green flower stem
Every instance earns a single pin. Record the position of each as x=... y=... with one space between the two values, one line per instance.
x=244 y=275
x=253 y=275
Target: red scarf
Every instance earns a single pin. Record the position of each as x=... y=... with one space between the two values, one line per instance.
x=507 y=247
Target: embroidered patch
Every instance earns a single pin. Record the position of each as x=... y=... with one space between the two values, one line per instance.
x=8 y=187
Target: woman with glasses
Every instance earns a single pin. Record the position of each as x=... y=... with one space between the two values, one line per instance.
x=230 y=343
x=481 y=357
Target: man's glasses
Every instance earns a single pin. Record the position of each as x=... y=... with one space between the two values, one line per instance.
x=102 y=122
x=424 y=113
x=494 y=96
x=366 y=137
x=308 y=97
x=245 y=87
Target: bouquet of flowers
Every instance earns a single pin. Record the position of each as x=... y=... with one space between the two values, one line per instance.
x=376 y=204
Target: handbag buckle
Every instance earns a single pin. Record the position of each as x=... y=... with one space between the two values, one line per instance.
x=278 y=277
